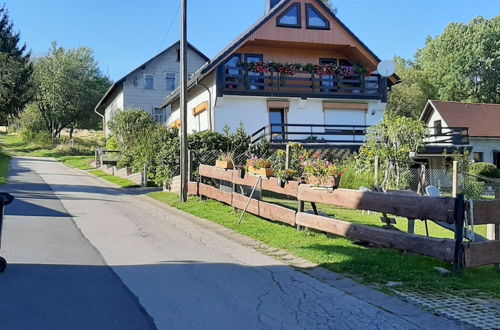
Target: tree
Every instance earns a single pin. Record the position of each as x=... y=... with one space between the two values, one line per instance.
x=408 y=98
x=15 y=69
x=463 y=63
x=393 y=140
x=68 y=84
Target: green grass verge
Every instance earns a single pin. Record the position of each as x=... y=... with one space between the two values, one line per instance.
x=114 y=179
x=372 y=265
x=4 y=167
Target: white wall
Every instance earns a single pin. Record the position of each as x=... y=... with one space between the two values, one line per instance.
x=486 y=146
x=136 y=96
x=116 y=105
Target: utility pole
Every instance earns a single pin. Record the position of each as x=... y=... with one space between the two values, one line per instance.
x=183 y=105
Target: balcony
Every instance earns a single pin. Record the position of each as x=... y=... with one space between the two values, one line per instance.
x=347 y=135
x=235 y=81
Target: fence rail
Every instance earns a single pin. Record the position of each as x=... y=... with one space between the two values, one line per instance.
x=444 y=209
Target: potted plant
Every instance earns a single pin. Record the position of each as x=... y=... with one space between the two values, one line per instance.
x=322 y=173
x=259 y=166
x=285 y=175
x=225 y=161
x=241 y=172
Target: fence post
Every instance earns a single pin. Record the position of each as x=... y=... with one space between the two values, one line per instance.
x=145 y=176
x=494 y=230
x=288 y=157
x=190 y=165
x=455 y=179
x=95 y=158
x=377 y=169
x=458 y=260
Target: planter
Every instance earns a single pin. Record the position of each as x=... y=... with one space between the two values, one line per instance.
x=226 y=164
x=241 y=172
x=331 y=183
x=267 y=172
x=281 y=183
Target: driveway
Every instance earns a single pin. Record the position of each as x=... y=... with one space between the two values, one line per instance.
x=84 y=255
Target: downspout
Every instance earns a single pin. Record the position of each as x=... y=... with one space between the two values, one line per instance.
x=210 y=124
x=103 y=120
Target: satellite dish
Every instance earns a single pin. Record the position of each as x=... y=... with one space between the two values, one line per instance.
x=386 y=68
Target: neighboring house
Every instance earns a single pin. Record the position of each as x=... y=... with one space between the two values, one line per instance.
x=456 y=126
x=325 y=110
x=147 y=86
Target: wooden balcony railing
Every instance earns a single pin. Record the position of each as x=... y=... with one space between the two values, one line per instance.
x=234 y=80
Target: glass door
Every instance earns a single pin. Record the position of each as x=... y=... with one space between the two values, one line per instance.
x=328 y=81
x=253 y=83
x=276 y=121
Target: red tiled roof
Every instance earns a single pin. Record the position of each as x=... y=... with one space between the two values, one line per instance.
x=481 y=119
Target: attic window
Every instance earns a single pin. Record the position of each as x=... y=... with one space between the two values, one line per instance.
x=291 y=17
x=314 y=19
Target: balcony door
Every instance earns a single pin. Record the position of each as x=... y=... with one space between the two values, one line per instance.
x=276 y=121
x=328 y=81
x=254 y=83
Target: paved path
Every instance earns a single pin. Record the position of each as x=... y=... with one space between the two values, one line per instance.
x=84 y=255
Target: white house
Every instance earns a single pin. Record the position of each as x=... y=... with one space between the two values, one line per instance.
x=147 y=86
x=242 y=83
x=464 y=125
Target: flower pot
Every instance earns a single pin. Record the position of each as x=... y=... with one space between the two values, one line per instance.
x=267 y=172
x=281 y=183
x=333 y=182
x=241 y=172
x=226 y=164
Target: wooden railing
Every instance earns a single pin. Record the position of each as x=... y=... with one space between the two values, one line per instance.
x=235 y=80
x=439 y=209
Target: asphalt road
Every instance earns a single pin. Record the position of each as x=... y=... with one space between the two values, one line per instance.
x=84 y=255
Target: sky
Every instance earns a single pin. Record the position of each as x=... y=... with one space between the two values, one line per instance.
x=125 y=34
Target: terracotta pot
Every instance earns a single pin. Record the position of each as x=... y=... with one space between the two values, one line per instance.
x=267 y=172
x=227 y=164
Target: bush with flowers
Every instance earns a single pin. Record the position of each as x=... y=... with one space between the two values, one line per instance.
x=258 y=163
x=321 y=172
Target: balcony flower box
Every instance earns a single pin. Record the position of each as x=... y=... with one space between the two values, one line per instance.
x=225 y=164
x=267 y=172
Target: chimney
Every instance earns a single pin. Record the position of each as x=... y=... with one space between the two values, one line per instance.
x=270 y=4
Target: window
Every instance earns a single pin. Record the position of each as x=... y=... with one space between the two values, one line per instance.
x=314 y=20
x=326 y=80
x=232 y=71
x=159 y=115
x=438 y=127
x=178 y=55
x=478 y=157
x=291 y=17
x=170 y=81
x=496 y=158
x=148 y=81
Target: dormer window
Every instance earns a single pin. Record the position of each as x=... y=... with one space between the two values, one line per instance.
x=291 y=17
x=314 y=19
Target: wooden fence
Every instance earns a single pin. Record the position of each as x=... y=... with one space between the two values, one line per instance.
x=439 y=209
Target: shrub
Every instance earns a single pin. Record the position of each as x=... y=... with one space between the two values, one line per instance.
x=484 y=169
x=353 y=179
x=112 y=143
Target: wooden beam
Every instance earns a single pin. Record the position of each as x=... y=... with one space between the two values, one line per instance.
x=439 y=248
x=486 y=212
x=248 y=180
x=214 y=193
x=482 y=254
x=240 y=201
x=216 y=173
x=193 y=188
x=271 y=184
x=277 y=213
x=409 y=206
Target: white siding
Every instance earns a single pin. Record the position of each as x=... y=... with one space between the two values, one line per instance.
x=115 y=106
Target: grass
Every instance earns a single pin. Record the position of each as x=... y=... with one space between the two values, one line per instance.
x=4 y=167
x=124 y=183
x=371 y=265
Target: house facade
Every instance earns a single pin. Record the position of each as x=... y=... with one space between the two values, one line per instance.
x=147 y=86
x=468 y=125
x=298 y=74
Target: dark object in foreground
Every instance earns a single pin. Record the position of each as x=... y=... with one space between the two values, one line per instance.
x=5 y=199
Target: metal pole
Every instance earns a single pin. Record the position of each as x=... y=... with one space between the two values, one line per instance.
x=183 y=103
x=458 y=260
x=455 y=179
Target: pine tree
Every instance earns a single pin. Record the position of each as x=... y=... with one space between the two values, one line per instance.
x=15 y=69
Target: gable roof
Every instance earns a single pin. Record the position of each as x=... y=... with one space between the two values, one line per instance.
x=483 y=120
x=121 y=80
x=233 y=46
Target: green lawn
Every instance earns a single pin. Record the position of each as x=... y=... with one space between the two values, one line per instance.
x=124 y=183
x=372 y=265
x=4 y=167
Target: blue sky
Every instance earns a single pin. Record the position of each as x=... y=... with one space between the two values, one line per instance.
x=125 y=34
